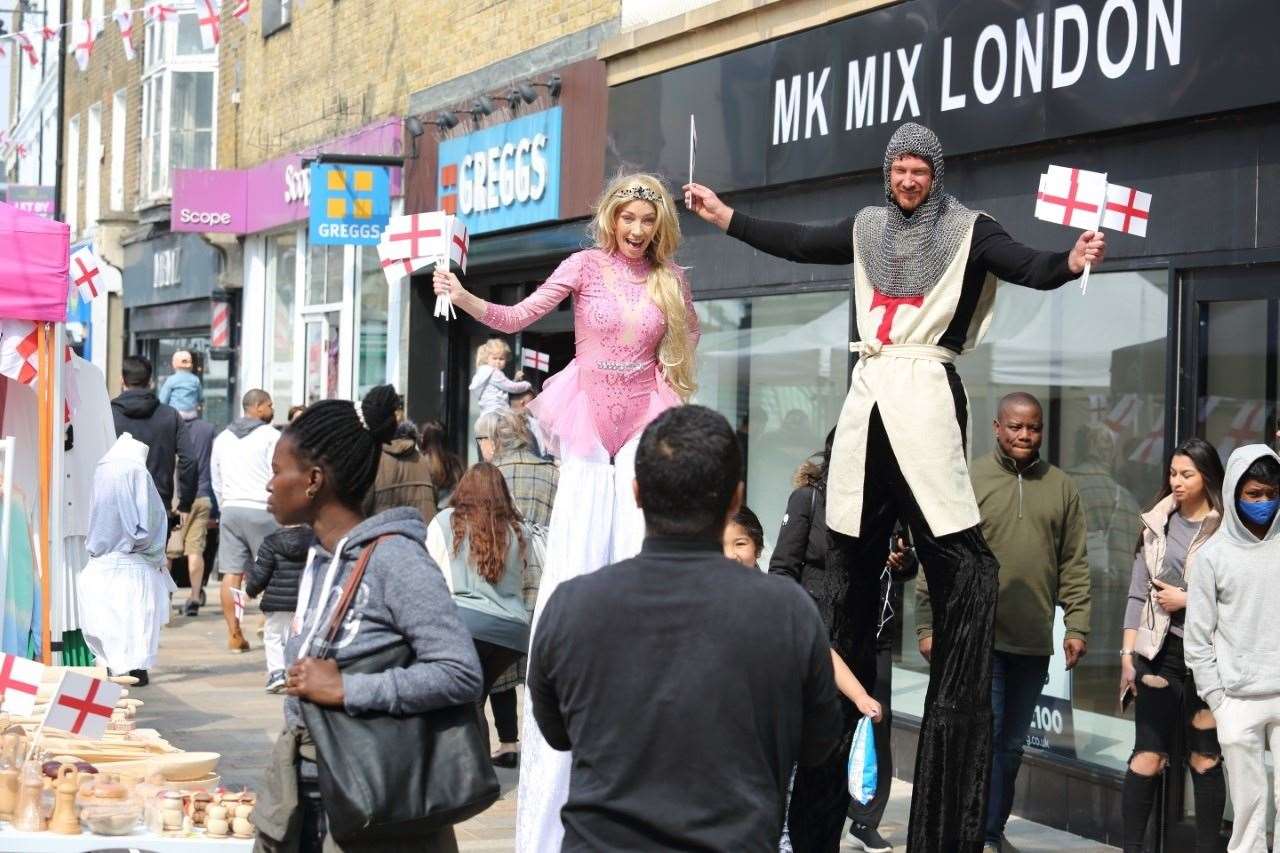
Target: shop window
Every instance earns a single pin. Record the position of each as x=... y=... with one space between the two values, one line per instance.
x=777 y=368
x=324 y=275
x=282 y=271
x=177 y=103
x=276 y=15
x=371 y=349
x=1097 y=364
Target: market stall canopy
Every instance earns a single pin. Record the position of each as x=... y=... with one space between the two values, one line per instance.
x=33 y=266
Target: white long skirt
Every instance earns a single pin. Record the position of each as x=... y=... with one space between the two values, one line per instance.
x=594 y=522
x=124 y=602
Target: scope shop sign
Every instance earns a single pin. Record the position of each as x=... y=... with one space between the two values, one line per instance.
x=503 y=176
x=984 y=74
x=350 y=205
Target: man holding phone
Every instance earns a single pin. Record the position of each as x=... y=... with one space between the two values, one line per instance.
x=1034 y=522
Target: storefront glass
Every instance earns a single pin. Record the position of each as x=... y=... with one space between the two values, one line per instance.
x=324 y=275
x=282 y=271
x=1097 y=364
x=776 y=367
x=371 y=349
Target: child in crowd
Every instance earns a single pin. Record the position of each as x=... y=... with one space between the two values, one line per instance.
x=276 y=575
x=743 y=542
x=182 y=390
x=1232 y=600
x=490 y=384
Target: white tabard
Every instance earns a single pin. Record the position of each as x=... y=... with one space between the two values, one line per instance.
x=901 y=368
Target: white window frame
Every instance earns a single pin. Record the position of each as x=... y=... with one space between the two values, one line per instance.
x=72 y=189
x=119 y=128
x=160 y=61
x=93 y=167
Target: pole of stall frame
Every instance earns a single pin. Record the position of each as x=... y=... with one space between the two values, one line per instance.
x=44 y=381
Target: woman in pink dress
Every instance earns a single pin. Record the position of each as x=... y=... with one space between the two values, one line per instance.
x=635 y=331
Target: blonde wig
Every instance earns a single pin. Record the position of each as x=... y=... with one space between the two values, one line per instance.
x=493 y=346
x=675 y=353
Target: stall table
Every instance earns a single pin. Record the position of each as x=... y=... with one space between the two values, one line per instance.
x=142 y=841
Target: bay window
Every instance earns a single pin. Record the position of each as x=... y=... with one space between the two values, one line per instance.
x=178 y=109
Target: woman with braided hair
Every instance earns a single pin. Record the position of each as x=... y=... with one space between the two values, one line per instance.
x=635 y=332
x=324 y=465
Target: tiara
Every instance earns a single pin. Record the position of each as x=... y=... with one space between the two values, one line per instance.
x=360 y=414
x=642 y=193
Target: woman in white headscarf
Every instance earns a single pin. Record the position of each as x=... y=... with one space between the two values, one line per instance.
x=124 y=589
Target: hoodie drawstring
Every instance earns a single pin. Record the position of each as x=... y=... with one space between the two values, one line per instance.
x=1019 y=494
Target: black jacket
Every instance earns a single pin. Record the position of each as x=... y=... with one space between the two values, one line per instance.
x=138 y=412
x=800 y=552
x=669 y=641
x=278 y=568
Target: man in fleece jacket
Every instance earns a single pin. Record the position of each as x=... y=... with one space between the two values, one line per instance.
x=1230 y=640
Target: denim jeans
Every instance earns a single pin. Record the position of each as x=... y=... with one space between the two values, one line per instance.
x=1016 y=681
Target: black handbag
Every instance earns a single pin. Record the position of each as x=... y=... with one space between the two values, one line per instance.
x=384 y=777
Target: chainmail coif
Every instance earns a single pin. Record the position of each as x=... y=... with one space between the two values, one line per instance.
x=906 y=255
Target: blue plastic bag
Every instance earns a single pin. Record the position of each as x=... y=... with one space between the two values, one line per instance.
x=863 y=775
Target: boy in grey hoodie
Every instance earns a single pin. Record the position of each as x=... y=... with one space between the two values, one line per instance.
x=1230 y=640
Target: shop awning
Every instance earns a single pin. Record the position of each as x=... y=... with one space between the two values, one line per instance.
x=33 y=266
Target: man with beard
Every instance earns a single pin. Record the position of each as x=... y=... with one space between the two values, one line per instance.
x=925 y=270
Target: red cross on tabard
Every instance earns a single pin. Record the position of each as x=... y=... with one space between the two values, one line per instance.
x=1070 y=204
x=8 y=682
x=462 y=249
x=85 y=707
x=87 y=276
x=1130 y=210
x=891 y=305
x=415 y=235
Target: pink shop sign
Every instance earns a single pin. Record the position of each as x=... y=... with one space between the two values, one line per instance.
x=248 y=201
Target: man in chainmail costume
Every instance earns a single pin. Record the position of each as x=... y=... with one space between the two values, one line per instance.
x=925 y=269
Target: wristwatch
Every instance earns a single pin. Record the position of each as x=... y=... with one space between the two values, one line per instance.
x=1126 y=652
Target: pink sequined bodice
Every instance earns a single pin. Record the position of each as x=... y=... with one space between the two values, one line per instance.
x=618 y=329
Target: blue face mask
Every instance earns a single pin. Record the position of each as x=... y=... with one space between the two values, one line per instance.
x=1258 y=512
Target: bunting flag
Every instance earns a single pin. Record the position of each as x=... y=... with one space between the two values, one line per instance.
x=241 y=11
x=209 y=12
x=124 y=20
x=82 y=38
x=86 y=273
x=24 y=42
x=48 y=33
x=160 y=13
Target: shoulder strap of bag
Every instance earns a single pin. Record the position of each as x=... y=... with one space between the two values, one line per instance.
x=349 y=593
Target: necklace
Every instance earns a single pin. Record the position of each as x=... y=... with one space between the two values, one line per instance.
x=638 y=268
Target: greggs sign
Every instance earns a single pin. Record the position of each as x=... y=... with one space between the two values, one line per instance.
x=503 y=176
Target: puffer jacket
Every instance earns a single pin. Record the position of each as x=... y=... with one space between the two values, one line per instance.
x=1154 y=625
x=277 y=571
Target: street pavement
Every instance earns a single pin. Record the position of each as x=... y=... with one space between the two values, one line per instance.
x=204 y=698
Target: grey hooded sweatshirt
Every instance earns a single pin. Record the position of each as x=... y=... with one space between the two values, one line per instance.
x=403 y=598
x=1230 y=642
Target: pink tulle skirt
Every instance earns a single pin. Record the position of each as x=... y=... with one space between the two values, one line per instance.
x=568 y=420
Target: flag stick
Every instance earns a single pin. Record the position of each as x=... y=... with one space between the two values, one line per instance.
x=1102 y=208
